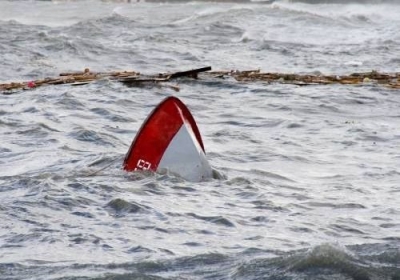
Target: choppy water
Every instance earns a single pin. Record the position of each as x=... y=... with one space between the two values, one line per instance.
x=311 y=187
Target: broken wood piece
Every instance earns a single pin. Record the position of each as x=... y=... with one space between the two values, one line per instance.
x=130 y=81
x=190 y=73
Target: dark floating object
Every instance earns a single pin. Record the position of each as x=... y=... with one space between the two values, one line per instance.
x=164 y=77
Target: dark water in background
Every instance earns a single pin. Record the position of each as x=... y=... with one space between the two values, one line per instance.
x=312 y=173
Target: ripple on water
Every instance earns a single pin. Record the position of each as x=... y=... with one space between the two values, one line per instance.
x=337 y=205
x=218 y=220
x=265 y=204
x=96 y=138
x=120 y=207
x=69 y=102
x=111 y=116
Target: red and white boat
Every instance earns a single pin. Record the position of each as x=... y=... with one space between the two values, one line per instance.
x=169 y=140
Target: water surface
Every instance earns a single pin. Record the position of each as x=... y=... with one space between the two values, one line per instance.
x=309 y=186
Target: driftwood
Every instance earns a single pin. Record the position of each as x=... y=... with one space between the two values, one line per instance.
x=130 y=78
x=164 y=77
x=76 y=78
x=133 y=78
x=391 y=80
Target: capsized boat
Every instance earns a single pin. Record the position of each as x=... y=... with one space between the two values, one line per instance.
x=169 y=140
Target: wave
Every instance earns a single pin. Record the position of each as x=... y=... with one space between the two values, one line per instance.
x=326 y=261
x=344 y=1
x=353 y=12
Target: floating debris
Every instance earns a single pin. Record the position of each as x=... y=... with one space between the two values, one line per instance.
x=129 y=78
x=77 y=78
x=391 y=80
x=133 y=78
